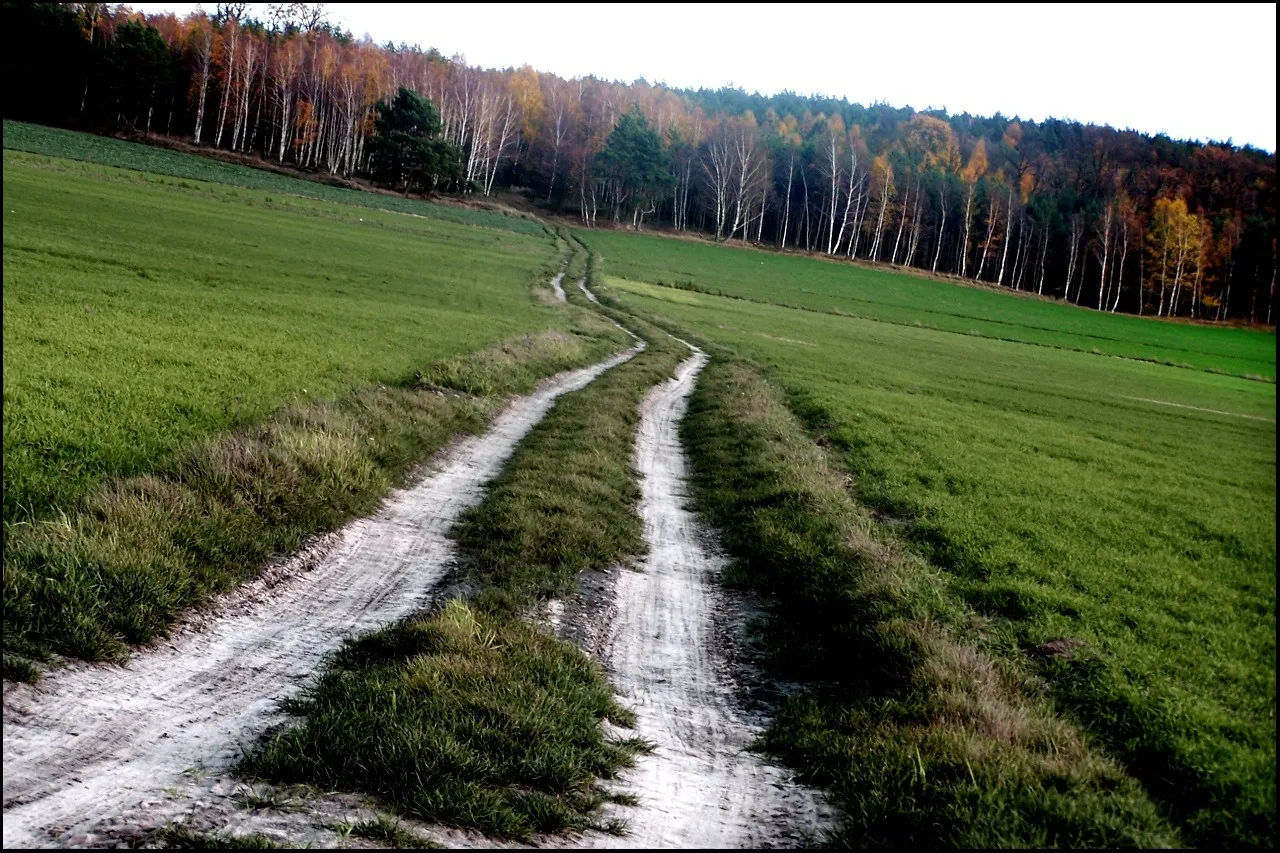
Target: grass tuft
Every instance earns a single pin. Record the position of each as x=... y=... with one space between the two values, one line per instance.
x=388 y=830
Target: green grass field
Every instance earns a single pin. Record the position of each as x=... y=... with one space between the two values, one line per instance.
x=1120 y=503
x=834 y=287
x=143 y=312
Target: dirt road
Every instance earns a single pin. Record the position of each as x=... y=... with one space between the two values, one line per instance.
x=92 y=741
x=93 y=746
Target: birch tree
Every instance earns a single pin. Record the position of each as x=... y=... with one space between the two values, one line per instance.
x=1008 y=230
x=993 y=218
x=718 y=168
x=229 y=42
x=201 y=47
x=747 y=170
x=557 y=102
x=1104 y=245
x=971 y=174
x=833 y=144
x=884 y=168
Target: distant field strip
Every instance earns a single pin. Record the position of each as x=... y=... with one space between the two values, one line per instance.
x=992 y=333
x=106 y=151
x=880 y=294
x=1141 y=536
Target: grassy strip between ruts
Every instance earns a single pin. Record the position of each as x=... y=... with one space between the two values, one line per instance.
x=468 y=715
x=120 y=569
x=579 y=263
x=924 y=733
x=567 y=500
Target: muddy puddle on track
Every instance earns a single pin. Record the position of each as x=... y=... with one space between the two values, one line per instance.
x=663 y=640
x=93 y=741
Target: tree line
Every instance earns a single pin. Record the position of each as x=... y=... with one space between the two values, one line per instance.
x=1113 y=220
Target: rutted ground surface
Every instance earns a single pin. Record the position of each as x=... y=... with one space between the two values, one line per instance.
x=582 y=285
x=664 y=649
x=92 y=741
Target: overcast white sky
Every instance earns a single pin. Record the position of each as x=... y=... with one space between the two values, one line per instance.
x=1192 y=71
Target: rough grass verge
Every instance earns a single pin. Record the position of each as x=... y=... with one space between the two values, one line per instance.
x=121 y=568
x=923 y=732
x=468 y=715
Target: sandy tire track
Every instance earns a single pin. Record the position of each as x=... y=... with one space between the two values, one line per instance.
x=556 y=284
x=664 y=649
x=91 y=741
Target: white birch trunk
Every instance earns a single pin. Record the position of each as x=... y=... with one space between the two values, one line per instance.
x=964 y=247
x=1124 y=253
x=1164 y=270
x=906 y=199
x=764 y=194
x=849 y=201
x=860 y=214
x=1008 y=226
x=226 y=90
x=786 y=214
x=914 y=242
x=832 y=142
x=1044 y=252
x=993 y=213
x=886 y=191
x=204 y=58
x=1106 y=251
x=942 y=224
